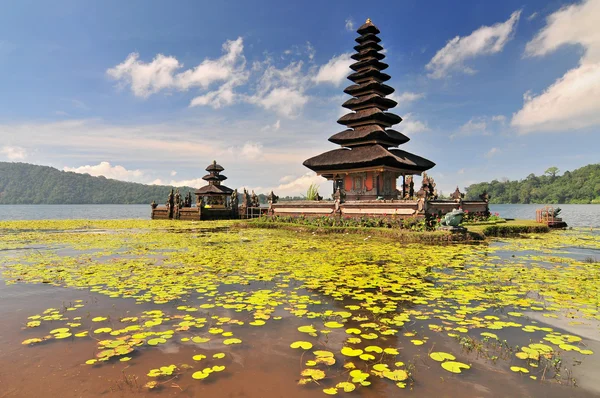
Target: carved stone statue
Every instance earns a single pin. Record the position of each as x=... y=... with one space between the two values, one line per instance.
x=177 y=197
x=427 y=191
x=457 y=195
x=453 y=219
x=254 y=201
x=409 y=187
x=234 y=198
x=272 y=198
x=484 y=196
x=153 y=204
x=170 y=203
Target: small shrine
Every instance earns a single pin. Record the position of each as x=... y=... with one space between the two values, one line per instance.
x=214 y=195
x=213 y=201
x=368 y=164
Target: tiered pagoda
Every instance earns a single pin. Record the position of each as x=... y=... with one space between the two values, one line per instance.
x=368 y=164
x=214 y=194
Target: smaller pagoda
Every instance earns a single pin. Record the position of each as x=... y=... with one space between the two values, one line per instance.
x=214 y=195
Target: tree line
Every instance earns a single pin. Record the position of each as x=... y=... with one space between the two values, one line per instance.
x=579 y=186
x=22 y=183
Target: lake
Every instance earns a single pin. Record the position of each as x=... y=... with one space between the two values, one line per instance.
x=141 y=308
x=574 y=215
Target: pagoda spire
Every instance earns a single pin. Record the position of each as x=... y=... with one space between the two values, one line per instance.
x=368 y=139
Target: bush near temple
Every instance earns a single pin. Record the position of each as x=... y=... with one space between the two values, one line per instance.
x=427 y=223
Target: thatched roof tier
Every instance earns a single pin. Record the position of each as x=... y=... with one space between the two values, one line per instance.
x=369 y=101
x=358 y=90
x=368 y=54
x=369 y=75
x=369 y=116
x=368 y=46
x=214 y=190
x=367 y=156
x=214 y=167
x=369 y=62
x=369 y=134
x=368 y=27
x=367 y=37
x=214 y=177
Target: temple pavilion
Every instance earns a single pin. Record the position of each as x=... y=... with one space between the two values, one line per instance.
x=368 y=164
x=214 y=194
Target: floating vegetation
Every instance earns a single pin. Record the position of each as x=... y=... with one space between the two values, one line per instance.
x=358 y=305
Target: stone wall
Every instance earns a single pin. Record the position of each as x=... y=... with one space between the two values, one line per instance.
x=376 y=208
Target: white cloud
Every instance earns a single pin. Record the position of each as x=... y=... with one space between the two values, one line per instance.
x=473 y=125
x=499 y=118
x=173 y=173
x=410 y=125
x=334 y=71
x=146 y=79
x=350 y=25
x=194 y=183
x=478 y=126
x=13 y=152
x=107 y=170
x=252 y=150
x=282 y=90
x=298 y=186
x=573 y=100
x=492 y=152
x=272 y=127
x=310 y=51
x=532 y=16
x=405 y=97
x=483 y=41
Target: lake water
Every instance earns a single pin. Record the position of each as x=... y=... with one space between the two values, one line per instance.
x=574 y=215
x=96 y=312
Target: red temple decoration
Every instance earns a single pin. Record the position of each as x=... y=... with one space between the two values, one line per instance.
x=368 y=163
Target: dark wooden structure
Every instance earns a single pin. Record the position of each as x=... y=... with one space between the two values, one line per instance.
x=214 y=195
x=368 y=164
x=214 y=201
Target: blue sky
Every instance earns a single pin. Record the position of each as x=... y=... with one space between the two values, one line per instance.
x=153 y=91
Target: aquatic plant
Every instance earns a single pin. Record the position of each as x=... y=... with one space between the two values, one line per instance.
x=208 y=284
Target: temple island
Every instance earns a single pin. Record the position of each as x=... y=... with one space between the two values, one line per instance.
x=364 y=170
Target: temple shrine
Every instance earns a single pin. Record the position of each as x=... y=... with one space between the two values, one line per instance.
x=214 y=201
x=214 y=195
x=368 y=164
x=364 y=170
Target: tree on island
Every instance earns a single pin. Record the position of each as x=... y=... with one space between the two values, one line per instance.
x=578 y=186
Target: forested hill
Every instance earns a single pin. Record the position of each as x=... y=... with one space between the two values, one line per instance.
x=22 y=183
x=578 y=186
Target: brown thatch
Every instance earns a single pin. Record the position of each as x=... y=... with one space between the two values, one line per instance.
x=372 y=115
x=214 y=190
x=214 y=167
x=214 y=177
x=367 y=101
x=359 y=90
x=369 y=133
x=367 y=156
x=369 y=62
x=368 y=27
x=367 y=37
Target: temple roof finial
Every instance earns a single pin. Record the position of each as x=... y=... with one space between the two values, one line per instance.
x=368 y=20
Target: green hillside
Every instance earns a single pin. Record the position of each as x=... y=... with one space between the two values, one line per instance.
x=578 y=186
x=22 y=183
